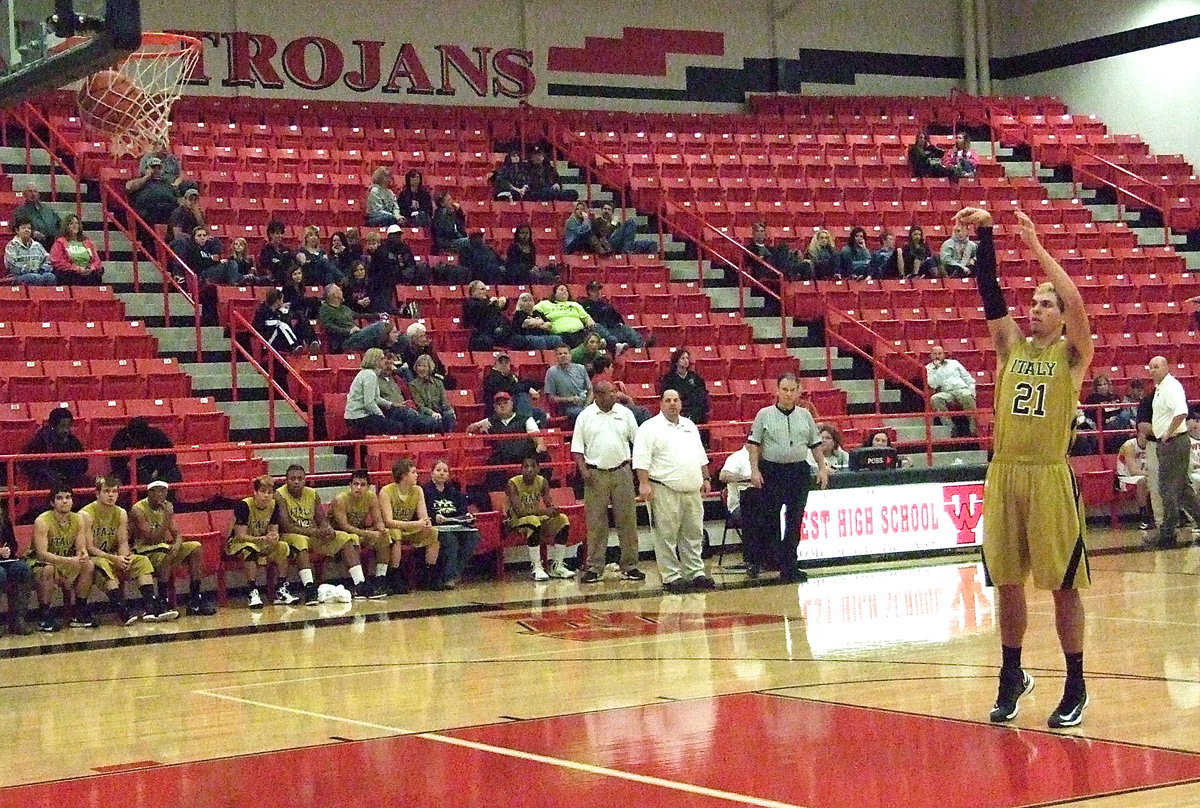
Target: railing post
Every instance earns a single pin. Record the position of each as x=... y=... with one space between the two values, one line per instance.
x=233 y=356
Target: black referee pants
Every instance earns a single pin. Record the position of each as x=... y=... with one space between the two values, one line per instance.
x=784 y=484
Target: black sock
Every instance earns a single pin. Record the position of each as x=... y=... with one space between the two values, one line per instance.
x=1011 y=659
x=194 y=589
x=147 y=591
x=115 y=597
x=1074 y=684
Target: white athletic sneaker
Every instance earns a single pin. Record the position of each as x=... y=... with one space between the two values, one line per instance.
x=539 y=574
x=283 y=597
x=256 y=601
x=559 y=570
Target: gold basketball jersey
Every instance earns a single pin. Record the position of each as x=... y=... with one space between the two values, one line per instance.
x=302 y=510
x=358 y=508
x=105 y=523
x=528 y=496
x=260 y=518
x=1035 y=404
x=60 y=539
x=404 y=506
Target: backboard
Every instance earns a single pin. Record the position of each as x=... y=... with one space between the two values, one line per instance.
x=46 y=44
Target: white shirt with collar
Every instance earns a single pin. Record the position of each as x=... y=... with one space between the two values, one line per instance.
x=949 y=376
x=671 y=453
x=604 y=438
x=1169 y=402
x=737 y=465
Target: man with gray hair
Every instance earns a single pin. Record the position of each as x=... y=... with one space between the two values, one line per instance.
x=780 y=439
x=601 y=448
x=672 y=471
x=336 y=318
x=1170 y=410
x=44 y=218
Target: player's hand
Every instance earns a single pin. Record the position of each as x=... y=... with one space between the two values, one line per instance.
x=646 y=492
x=977 y=217
x=1028 y=231
x=823 y=477
x=5 y=551
x=706 y=487
x=123 y=562
x=270 y=541
x=756 y=479
x=426 y=522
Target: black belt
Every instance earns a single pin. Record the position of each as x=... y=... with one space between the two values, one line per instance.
x=614 y=468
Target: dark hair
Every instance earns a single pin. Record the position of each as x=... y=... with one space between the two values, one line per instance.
x=855 y=231
x=295 y=467
x=402 y=467
x=554 y=290
x=264 y=482
x=523 y=226
x=676 y=354
x=22 y=220
x=787 y=377
x=340 y=236
x=530 y=456
x=275 y=226
x=360 y=474
x=273 y=297
x=412 y=172
x=870 y=437
x=58 y=415
x=60 y=487
x=107 y=481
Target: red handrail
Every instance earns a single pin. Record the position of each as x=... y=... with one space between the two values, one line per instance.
x=238 y=325
x=1160 y=205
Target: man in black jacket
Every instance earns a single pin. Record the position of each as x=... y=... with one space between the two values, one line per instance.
x=484 y=315
x=393 y=264
x=543 y=180
x=609 y=322
x=139 y=434
x=54 y=438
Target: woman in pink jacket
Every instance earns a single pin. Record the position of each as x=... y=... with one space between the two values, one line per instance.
x=73 y=256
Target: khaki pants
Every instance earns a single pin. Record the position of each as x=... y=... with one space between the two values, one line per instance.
x=941 y=403
x=610 y=487
x=677 y=520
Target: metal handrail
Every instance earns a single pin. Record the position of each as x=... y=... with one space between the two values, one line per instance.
x=1160 y=205
x=238 y=324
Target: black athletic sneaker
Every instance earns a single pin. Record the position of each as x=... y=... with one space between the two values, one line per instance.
x=49 y=625
x=633 y=574
x=590 y=577
x=379 y=589
x=703 y=582
x=84 y=620
x=310 y=595
x=364 y=590
x=1069 y=712
x=676 y=587
x=1011 y=690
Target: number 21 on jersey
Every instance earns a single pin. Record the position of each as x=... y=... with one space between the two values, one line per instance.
x=1029 y=399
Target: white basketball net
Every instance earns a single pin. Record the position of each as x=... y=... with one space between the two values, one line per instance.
x=138 y=120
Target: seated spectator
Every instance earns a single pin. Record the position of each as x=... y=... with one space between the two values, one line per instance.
x=152 y=196
x=531 y=513
x=415 y=200
x=577 y=231
x=394 y=388
x=16 y=578
x=524 y=392
x=239 y=269
x=187 y=216
x=480 y=261
x=611 y=236
x=952 y=384
x=275 y=258
x=958 y=253
x=962 y=160
x=275 y=324
x=741 y=499
x=318 y=269
x=483 y=314
x=456 y=525
x=74 y=257
x=417 y=344
x=381 y=334
x=172 y=168
x=365 y=406
x=341 y=258
x=640 y=413
x=429 y=394
x=520 y=264
x=567 y=318
x=198 y=251
x=854 y=261
x=46 y=224
x=297 y=302
x=393 y=264
x=449 y=225
x=823 y=256
x=1131 y=474
x=591 y=355
x=509 y=182
x=882 y=439
x=608 y=322
x=382 y=209
x=883 y=260
x=567 y=384
x=26 y=260
x=140 y=434
x=779 y=256
x=925 y=159
x=55 y=437
x=370 y=243
x=836 y=456
x=357 y=291
x=691 y=388
x=1115 y=419
x=505 y=420
x=543 y=181
x=336 y=318
x=531 y=330
x=915 y=257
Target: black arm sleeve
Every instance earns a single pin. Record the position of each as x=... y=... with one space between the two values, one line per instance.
x=994 y=307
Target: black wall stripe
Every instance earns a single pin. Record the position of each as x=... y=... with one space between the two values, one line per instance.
x=1101 y=47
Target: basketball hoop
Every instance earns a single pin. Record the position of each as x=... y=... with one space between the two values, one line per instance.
x=131 y=101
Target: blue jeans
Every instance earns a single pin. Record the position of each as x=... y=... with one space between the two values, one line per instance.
x=364 y=338
x=13 y=572
x=36 y=279
x=372 y=424
x=457 y=548
x=412 y=422
x=381 y=219
x=622 y=237
x=620 y=333
x=536 y=342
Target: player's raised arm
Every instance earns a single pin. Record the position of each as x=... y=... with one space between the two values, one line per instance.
x=1002 y=327
x=1078 y=329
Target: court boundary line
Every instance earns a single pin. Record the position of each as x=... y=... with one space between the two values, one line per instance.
x=588 y=768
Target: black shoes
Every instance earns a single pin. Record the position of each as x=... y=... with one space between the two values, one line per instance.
x=1070 y=711
x=1011 y=691
x=676 y=587
x=703 y=582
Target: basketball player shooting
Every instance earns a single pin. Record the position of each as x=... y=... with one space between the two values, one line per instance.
x=1033 y=516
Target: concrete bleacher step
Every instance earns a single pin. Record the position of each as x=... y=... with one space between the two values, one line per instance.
x=686 y=270
x=62 y=184
x=15 y=156
x=151 y=306
x=180 y=342
x=1191 y=260
x=325 y=461
x=812 y=360
x=250 y=420
x=216 y=379
x=862 y=391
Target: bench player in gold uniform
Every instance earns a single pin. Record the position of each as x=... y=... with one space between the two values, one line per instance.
x=534 y=515
x=156 y=536
x=357 y=512
x=407 y=520
x=254 y=539
x=106 y=526
x=59 y=557
x=304 y=527
x=1033 y=517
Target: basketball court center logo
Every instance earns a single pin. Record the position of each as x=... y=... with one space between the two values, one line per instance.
x=964 y=506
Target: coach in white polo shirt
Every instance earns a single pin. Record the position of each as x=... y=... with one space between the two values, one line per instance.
x=1174 y=450
x=600 y=446
x=672 y=470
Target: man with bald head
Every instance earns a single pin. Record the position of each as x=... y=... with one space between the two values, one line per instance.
x=672 y=470
x=1174 y=449
x=604 y=432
